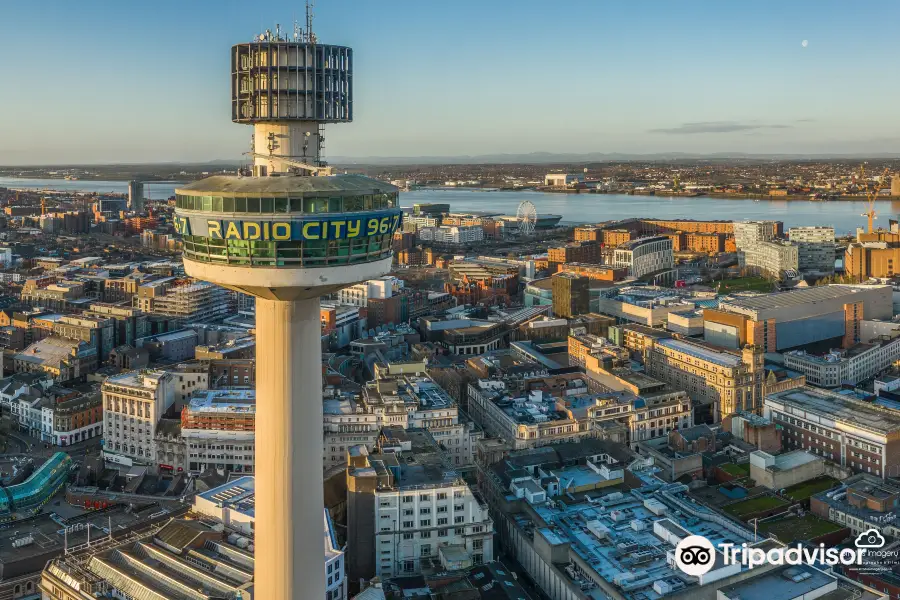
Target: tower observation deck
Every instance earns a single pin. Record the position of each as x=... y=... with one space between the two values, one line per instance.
x=288 y=234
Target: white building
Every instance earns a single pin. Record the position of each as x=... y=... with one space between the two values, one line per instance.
x=421 y=511
x=5 y=256
x=380 y=288
x=645 y=255
x=405 y=401
x=770 y=257
x=563 y=179
x=853 y=365
x=233 y=505
x=133 y=403
x=452 y=234
x=218 y=428
x=815 y=247
x=747 y=233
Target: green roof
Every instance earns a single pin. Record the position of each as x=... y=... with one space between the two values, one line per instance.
x=286 y=185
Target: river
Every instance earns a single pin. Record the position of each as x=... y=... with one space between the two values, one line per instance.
x=844 y=216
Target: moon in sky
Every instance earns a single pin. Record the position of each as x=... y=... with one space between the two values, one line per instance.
x=804 y=43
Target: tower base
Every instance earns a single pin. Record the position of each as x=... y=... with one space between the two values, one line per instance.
x=288 y=540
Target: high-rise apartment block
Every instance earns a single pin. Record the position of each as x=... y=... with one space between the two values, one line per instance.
x=774 y=258
x=646 y=255
x=815 y=246
x=571 y=295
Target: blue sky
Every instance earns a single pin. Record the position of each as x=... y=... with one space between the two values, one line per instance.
x=103 y=81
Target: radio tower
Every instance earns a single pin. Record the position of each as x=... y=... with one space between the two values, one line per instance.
x=288 y=234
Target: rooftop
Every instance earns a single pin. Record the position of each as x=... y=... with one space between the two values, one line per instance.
x=286 y=185
x=798 y=296
x=831 y=405
x=721 y=358
x=779 y=584
x=235 y=400
x=238 y=495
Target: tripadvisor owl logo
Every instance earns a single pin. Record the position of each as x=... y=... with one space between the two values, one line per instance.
x=695 y=555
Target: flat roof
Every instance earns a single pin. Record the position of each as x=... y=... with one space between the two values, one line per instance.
x=223 y=400
x=779 y=584
x=840 y=408
x=799 y=296
x=286 y=185
x=724 y=359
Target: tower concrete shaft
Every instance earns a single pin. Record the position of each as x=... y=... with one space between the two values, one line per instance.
x=289 y=488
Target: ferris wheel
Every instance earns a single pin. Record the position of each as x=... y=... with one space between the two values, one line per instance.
x=526 y=215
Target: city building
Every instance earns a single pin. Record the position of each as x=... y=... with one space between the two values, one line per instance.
x=563 y=179
x=850 y=366
x=748 y=233
x=645 y=305
x=863 y=502
x=594 y=272
x=564 y=514
x=187 y=302
x=406 y=512
x=62 y=358
x=720 y=382
x=233 y=504
x=875 y=254
x=773 y=258
x=177 y=559
x=133 y=403
x=857 y=435
x=379 y=288
x=30 y=496
x=571 y=295
x=135 y=196
x=575 y=252
x=303 y=234
x=58 y=415
x=645 y=256
x=826 y=315
x=781 y=471
x=815 y=247
x=451 y=234
x=218 y=429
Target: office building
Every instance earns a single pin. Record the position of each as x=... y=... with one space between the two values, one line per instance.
x=860 y=436
x=304 y=234
x=827 y=316
x=405 y=511
x=62 y=358
x=452 y=234
x=645 y=256
x=864 y=502
x=187 y=302
x=875 y=254
x=133 y=403
x=218 y=429
x=594 y=272
x=570 y=295
x=773 y=258
x=379 y=288
x=815 y=247
x=851 y=366
x=748 y=233
x=135 y=196
x=575 y=252
x=31 y=495
x=720 y=382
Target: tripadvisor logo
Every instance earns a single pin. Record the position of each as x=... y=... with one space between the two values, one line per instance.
x=695 y=555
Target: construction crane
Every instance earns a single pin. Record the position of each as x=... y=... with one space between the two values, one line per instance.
x=871 y=193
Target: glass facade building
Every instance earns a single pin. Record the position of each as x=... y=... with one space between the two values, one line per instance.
x=34 y=492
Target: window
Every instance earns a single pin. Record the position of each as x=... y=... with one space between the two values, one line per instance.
x=425 y=523
x=425 y=550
